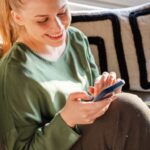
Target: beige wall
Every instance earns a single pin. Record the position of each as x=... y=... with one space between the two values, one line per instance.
x=111 y=3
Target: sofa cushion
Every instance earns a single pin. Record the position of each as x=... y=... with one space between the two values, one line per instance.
x=145 y=96
x=120 y=42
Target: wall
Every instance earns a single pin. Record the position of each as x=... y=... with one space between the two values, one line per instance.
x=111 y=3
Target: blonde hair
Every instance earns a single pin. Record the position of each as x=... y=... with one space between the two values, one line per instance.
x=8 y=28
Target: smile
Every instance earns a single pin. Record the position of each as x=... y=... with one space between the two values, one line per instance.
x=55 y=36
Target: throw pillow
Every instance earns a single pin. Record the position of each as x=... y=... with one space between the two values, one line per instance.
x=120 y=42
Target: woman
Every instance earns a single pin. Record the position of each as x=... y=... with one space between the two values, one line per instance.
x=43 y=78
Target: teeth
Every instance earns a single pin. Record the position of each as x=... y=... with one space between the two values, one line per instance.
x=56 y=35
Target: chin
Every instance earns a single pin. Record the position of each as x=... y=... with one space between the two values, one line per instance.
x=56 y=44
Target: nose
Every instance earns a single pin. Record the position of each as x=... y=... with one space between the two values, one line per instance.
x=56 y=24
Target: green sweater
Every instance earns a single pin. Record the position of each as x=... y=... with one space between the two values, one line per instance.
x=33 y=90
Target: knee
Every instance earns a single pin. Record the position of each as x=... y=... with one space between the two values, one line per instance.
x=130 y=100
x=130 y=104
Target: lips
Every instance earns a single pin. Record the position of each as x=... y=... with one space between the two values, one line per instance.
x=55 y=36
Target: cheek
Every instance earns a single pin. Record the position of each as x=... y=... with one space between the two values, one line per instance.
x=66 y=21
x=42 y=28
x=37 y=29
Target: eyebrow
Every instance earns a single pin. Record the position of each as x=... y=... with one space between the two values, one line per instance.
x=42 y=15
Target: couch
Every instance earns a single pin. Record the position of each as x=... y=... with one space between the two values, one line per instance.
x=120 y=42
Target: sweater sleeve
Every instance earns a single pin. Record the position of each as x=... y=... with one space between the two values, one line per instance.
x=52 y=136
x=23 y=123
x=91 y=60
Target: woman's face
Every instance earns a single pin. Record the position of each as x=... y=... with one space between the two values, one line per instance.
x=45 y=21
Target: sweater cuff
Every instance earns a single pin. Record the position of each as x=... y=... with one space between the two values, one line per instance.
x=68 y=135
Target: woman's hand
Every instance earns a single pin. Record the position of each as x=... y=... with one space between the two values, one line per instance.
x=77 y=112
x=102 y=82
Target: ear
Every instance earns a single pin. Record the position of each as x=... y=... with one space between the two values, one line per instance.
x=17 y=18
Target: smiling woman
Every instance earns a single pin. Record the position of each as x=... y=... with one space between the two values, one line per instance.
x=46 y=76
x=46 y=24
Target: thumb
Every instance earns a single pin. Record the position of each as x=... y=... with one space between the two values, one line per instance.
x=79 y=95
x=91 y=90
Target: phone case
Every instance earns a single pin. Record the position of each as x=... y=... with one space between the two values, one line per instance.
x=108 y=91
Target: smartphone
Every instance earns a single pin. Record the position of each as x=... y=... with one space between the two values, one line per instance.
x=108 y=91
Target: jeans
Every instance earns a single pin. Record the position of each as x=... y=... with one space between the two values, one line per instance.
x=125 y=126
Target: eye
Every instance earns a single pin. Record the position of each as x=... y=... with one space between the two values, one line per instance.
x=62 y=14
x=43 y=20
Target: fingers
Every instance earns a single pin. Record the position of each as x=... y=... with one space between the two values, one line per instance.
x=103 y=81
x=101 y=112
x=111 y=79
x=94 y=107
x=108 y=78
x=79 y=95
x=78 y=112
x=91 y=90
x=101 y=108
